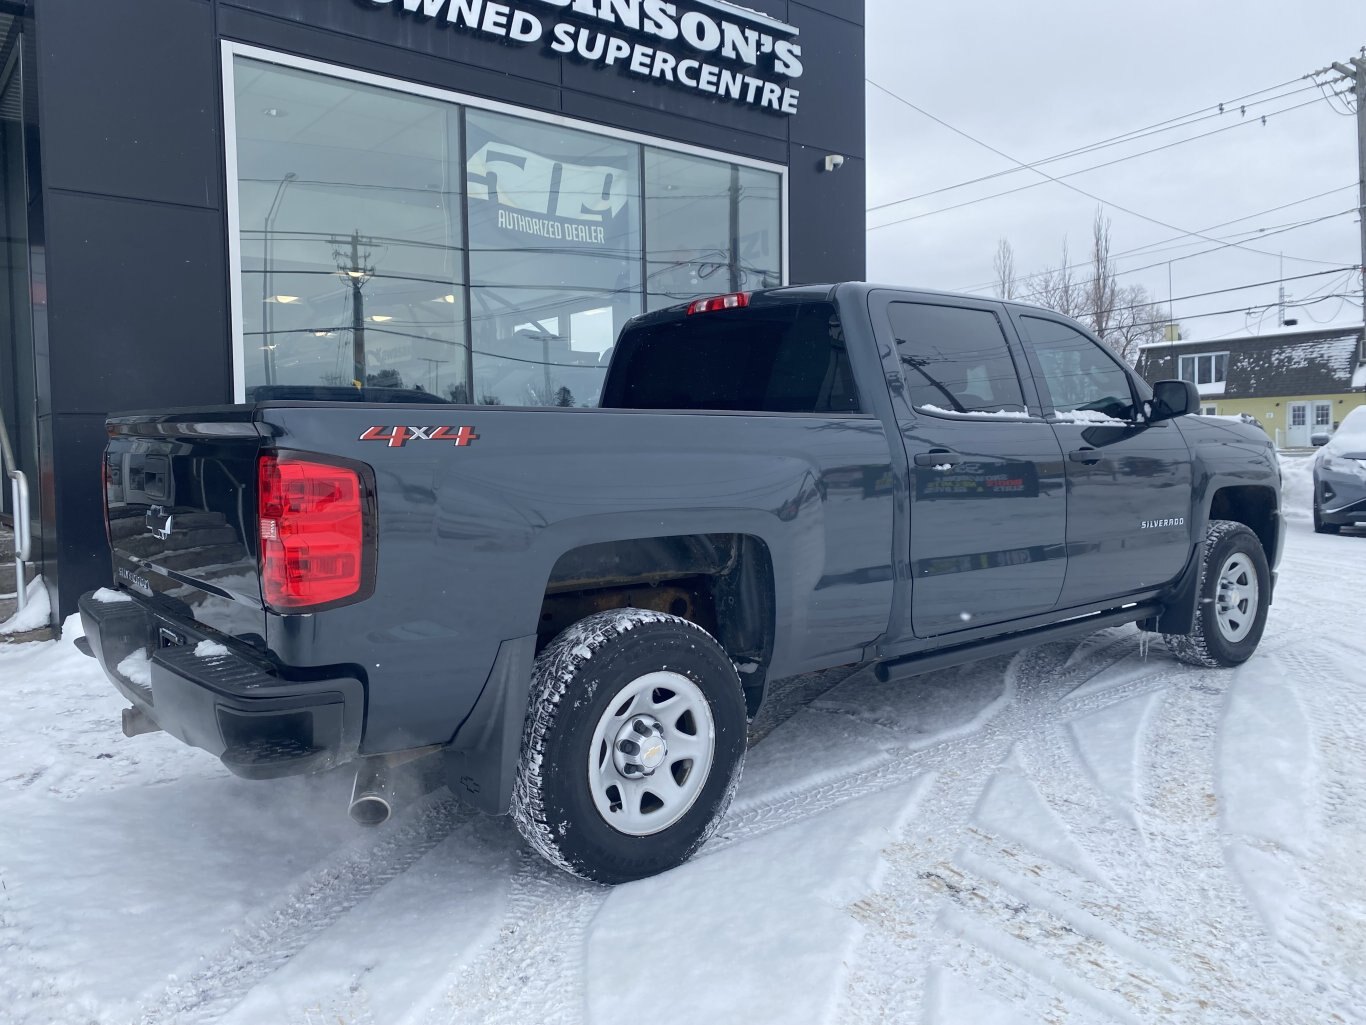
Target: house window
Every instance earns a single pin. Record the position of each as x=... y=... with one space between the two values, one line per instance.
x=1207 y=371
x=1323 y=414
x=1210 y=410
x=1297 y=415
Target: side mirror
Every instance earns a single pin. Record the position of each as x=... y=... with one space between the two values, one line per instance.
x=1174 y=398
x=1319 y=438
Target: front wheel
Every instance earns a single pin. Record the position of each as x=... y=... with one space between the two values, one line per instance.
x=633 y=745
x=1235 y=591
x=1319 y=526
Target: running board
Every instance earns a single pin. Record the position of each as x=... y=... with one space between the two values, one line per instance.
x=947 y=658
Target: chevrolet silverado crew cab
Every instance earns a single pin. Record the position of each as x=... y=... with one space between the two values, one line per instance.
x=575 y=612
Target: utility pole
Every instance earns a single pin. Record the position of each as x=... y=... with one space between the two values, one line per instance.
x=353 y=270
x=1355 y=70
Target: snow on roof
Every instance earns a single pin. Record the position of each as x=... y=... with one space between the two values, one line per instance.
x=1321 y=361
x=1337 y=327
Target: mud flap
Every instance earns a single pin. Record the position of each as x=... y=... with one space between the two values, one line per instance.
x=481 y=762
x=1178 y=608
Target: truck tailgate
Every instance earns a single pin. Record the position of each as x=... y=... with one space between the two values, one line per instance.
x=181 y=506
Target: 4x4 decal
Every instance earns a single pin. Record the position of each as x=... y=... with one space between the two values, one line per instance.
x=397 y=437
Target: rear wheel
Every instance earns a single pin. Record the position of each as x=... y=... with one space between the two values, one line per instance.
x=1235 y=591
x=633 y=746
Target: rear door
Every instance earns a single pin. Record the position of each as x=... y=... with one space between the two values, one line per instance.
x=1128 y=481
x=987 y=503
x=181 y=501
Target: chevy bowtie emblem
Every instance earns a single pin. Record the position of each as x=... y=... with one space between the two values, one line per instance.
x=397 y=437
x=159 y=522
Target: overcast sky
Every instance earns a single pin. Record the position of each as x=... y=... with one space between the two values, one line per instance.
x=1034 y=80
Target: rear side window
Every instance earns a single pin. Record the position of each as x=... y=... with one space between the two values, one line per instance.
x=1078 y=375
x=784 y=358
x=955 y=360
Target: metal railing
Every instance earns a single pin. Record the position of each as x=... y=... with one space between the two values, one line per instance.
x=23 y=539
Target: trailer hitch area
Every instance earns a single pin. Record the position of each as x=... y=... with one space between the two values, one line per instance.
x=136 y=722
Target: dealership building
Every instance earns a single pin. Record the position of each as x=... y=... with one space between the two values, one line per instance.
x=463 y=197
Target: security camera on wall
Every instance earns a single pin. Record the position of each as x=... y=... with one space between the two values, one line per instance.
x=833 y=162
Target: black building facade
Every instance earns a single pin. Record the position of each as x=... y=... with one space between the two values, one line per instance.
x=204 y=197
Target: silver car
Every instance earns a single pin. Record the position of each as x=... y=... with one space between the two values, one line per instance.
x=1340 y=476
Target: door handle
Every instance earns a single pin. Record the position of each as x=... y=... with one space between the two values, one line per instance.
x=1085 y=455
x=937 y=457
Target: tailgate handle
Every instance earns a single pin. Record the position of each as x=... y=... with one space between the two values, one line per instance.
x=938 y=457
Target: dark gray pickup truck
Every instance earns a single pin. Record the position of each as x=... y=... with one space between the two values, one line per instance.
x=577 y=610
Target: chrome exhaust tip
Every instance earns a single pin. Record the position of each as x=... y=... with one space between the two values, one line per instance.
x=372 y=795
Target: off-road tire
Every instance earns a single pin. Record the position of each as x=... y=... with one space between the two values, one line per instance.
x=1206 y=645
x=576 y=680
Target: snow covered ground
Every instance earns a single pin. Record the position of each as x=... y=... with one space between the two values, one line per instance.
x=1085 y=832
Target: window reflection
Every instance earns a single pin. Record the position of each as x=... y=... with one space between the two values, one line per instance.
x=554 y=219
x=373 y=251
x=351 y=238
x=710 y=227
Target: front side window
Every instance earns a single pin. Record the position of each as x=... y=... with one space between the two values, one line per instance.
x=1077 y=375
x=1205 y=370
x=388 y=240
x=1323 y=414
x=955 y=360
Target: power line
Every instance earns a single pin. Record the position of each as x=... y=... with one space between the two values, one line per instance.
x=1116 y=141
x=1089 y=195
x=1157 y=246
x=1059 y=179
x=1222 y=291
x=1349 y=296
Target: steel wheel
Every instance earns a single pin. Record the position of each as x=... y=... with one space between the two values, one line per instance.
x=651 y=753
x=1235 y=598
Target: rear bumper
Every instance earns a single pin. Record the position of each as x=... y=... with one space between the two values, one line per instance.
x=258 y=722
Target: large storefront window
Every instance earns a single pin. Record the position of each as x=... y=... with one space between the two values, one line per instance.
x=710 y=227
x=402 y=241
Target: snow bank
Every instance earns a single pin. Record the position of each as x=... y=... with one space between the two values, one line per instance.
x=1297 y=485
x=35 y=614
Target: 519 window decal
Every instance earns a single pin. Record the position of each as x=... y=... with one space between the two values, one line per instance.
x=397 y=437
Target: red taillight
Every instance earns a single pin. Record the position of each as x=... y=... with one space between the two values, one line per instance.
x=730 y=301
x=313 y=532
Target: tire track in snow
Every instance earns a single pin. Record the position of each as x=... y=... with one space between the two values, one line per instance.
x=1076 y=939
x=925 y=918
x=1331 y=897
x=495 y=987
x=324 y=895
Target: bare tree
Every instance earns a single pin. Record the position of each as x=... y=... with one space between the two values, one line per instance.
x=1100 y=289
x=1004 y=262
x=1055 y=288
x=1136 y=320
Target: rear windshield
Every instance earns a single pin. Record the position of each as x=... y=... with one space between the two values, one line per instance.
x=784 y=358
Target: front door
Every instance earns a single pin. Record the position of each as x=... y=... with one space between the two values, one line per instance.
x=987 y=497
x=1323 y=419
x=1128 y=481
x=1297 y=426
